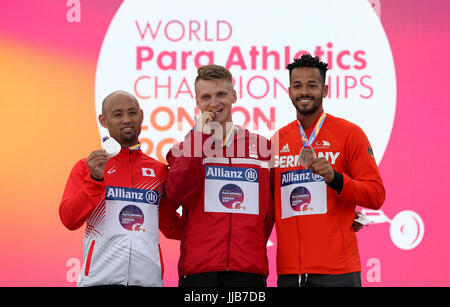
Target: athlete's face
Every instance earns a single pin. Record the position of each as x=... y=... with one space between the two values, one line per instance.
x=216 y=96
x=123 y=118
x=307 y=90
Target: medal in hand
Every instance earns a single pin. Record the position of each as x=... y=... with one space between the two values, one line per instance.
x=307 y=155
x=111 y=146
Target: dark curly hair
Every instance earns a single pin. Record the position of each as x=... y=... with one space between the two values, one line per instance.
x=307 y=60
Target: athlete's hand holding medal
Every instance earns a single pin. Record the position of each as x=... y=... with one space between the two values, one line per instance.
x=202 y=121
x=96 y=161
x=322 y=167
x=308 y=158
x=205 y=122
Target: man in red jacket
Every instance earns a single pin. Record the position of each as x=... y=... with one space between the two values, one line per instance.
x=221 y=176
x=119 y=195
x=325 y=169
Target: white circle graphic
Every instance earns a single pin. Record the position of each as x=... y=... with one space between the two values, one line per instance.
x=151 y=197
x=152 y=49
x=251 y=174
x=407 y=230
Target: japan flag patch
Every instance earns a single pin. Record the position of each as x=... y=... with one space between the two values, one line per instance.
x=149 y=172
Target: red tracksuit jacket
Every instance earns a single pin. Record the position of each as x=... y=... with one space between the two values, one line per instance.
x=121 y=213
x=323 y=241
x=227 y=204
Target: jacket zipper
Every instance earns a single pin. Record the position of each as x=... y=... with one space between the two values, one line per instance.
x=229 y=235
x=130 y=168
x=129 y=247
x=229 y=243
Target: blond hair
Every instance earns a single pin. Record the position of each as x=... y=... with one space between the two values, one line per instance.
x=213 y=72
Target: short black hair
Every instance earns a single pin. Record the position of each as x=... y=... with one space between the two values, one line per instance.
x=307 y=60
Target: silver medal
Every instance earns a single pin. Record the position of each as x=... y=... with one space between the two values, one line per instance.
x=111 y=146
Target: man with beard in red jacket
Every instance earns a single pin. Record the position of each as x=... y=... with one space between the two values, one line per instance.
x=119 y=196
x=326 y=168
x=221 y=176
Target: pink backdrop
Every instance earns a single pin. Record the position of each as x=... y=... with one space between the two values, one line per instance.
x=47 y=90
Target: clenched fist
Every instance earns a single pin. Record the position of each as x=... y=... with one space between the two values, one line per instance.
x=322 y=167
x=202 y=120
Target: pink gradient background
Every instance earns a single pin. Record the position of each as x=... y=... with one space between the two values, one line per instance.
x=47 y=93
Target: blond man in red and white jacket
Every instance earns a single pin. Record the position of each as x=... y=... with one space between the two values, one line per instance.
x=221 y=176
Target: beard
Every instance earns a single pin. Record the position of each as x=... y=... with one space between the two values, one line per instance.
x=307 y=110
x=127 y=137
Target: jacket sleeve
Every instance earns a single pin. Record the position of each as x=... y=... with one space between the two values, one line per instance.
x=81 y=196
x=170 y=222
x=270 y=219
x=185 y=159
x=362 y=181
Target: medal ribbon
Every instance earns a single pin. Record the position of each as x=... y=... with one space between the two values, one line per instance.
x=135 y=147
x=312 y=137
x=229 y=137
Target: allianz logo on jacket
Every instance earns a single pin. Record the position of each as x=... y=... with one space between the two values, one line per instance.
x=293 y=160
x=231 y=173
x=299 y=176
x=132 y=194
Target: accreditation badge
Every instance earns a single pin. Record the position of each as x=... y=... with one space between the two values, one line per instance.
x=302 y=193
x=231 y=189
x=131 y=210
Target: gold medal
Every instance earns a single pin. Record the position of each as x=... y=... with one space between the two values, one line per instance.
x=307 y=155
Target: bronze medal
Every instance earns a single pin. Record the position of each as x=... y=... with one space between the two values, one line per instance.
x=307 y=155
